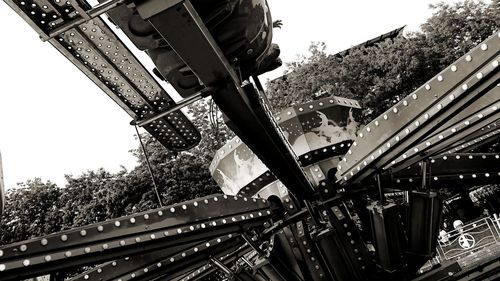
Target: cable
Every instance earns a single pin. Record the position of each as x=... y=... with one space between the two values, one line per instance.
x=155 y=186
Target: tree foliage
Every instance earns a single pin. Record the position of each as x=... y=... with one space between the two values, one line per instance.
x=379 y=76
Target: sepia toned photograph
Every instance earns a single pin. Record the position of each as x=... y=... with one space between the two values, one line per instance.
x=250 y=140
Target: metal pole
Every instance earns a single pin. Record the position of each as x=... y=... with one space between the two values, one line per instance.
x=424 y=175
x=148 y=164
x=497 y=220
x=223 y=267
x=95 y=11
x=380 y=190
x=187 y=101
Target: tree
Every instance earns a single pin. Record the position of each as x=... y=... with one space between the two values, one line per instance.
x=31 y=210
x=379 y=76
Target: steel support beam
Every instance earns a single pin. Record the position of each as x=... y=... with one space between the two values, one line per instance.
x=245 y=110
x=94 y=48
x=419 y=115
x=165 y=228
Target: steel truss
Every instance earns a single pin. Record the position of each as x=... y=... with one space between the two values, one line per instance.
x=306 y=231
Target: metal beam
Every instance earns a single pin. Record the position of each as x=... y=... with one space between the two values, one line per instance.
x=172 y=226
x=472 y=119
x=417 y=116
x=161 y=264
x=487 y=134
x=245 y=108
x=95 y=49
x=460 y=169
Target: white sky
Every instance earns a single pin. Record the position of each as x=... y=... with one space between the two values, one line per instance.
x=55 y=121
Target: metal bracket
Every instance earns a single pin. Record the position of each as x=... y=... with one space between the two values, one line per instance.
x=94 y=12
x=185 y=102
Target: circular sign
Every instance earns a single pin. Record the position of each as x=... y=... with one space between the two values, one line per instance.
x=466 y=241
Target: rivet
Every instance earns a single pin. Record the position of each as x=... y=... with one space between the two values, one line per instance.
x=495 y=63
x=465 y=87
x=48 y=258
x=479 y=75
x=26 y=262
x=440 y=78
x=484 y=47
x=100 y=228
x=160 y=213
x=453 y=68
x=86 y=250
x=427 y=87
x=184 y=207
x=117 y=223
x=172 y=210
x=414 y=96
x=138 y=239
x=146 y=216
x=468 y=58
x=132 y=220
x=172 y=259
x=23 y=248
x=44 y=242
x=158 y=264
x=68 y=254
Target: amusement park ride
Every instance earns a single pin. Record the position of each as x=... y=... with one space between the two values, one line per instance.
x=309 y=193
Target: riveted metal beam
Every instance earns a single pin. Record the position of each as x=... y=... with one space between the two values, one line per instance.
x=243 y=106
x=417 y=116
x=488 y=133
x=458 y=169
x=167 y=227
x=149 y=266
x=472 y=119
x=93 y=47
x=207 y=268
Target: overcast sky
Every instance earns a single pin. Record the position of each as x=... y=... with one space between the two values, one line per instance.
x=55 y=121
